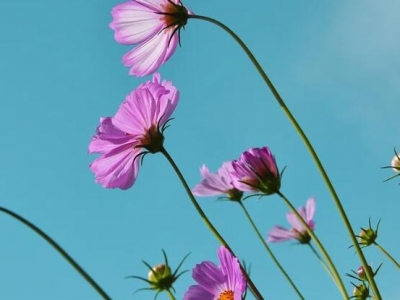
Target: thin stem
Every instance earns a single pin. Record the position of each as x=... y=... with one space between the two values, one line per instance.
x=269 y=250
x=388 y=255
x=208 y=223
x=321 y=248
x=60 y=250
x=171 y=296
x=308 y=145
x=323 y=263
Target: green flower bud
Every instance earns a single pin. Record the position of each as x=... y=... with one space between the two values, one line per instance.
x=160 y=277
x=361 y=292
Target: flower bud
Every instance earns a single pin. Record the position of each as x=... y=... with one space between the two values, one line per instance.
x=367 y=236
x=396 y=163
x=159 y=276
x=362 y=274
x=361 y=292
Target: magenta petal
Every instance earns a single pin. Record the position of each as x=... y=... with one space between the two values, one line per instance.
x=116 y=169
x=231 y=269
x=197 y=292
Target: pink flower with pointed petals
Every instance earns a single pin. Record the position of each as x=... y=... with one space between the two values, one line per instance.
x=152 y=24
x=217 y=184
x=223 y=282
x=298 y=232
x=136 y=128
x=256 y=170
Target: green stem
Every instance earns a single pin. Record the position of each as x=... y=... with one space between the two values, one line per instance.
x=60 y=250
x=388 y=255
x=323 y=263
x=171 y=296
x=269 y=250
x=308 y=145
x=208 y=223
x=321 y=248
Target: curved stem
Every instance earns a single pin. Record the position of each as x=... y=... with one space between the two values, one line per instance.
x=60 y=250
x=388 y=255
x=269 y=250
x=308 y=145
x=208 y=223
x=321 y=248
x=170 y=295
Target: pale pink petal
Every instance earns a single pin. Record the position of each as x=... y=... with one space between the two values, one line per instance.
x=151 y=54
x=280 y=234
x=134 y=23
x=310 y=209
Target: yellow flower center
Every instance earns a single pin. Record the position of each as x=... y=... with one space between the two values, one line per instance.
x=226 y=295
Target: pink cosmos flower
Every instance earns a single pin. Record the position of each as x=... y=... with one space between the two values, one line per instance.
x=298 y=232
x=139 y=123
x=223 y=282
x=154 y=25
x=217 y=184
x=256 y=170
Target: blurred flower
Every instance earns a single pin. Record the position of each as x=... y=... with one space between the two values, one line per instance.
x=225 y=282
x=139 y=123
x=256 y=170
x=154 y=25
x=361 y=275
x=298 y=232
x=160 y=277
x=396 y=163
x=216 y=184
x=360 y=292
x=368 y=235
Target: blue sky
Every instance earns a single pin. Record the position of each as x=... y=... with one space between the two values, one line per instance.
x=335 y=63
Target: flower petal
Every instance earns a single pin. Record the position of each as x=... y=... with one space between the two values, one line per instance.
x=280 y=234
x=197 y=292
x=231 y=269
x=209 y=276
x=152 y=53
x=134 y=23
x=117 y=168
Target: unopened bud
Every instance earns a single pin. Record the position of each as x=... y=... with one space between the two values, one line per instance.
x=361 y=292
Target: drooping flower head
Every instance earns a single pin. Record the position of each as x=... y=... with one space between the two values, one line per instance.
x=217 y=184
x=256 y=170
x=137 y=128
x=225 y=282
x=154 y=25
x=298 y=232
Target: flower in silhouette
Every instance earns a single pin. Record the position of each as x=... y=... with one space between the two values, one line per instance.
x=136 y=129
x=225 y=282
x=298 y=232
x=152 y=24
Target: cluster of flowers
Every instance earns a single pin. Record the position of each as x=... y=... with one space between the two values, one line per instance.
x=138 y=128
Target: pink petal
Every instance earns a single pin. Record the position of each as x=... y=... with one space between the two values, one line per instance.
x=151 y=54
x=280 y=234
x=116 y=169
x=310 y=209
x=134 y=23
